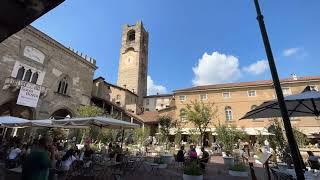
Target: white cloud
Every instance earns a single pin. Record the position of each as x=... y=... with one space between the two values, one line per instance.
x=216 y=68
x=291 y=51
x=257 y=68
x=153 y=89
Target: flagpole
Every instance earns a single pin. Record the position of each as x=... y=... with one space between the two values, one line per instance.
x=284 y=112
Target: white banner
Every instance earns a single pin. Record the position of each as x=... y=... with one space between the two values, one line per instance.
x=29 y=95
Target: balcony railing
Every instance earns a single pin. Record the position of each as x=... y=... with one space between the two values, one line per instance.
x=15 y=84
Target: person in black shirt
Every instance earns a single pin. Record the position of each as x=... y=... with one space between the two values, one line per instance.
x=180 y=155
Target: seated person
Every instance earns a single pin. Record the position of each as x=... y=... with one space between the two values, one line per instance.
x=204 y=159
x=313 y=160
x=68 y=159
x=15 y=151
x=88 y=152
x=13 y=159
x=118 y=152
x=180 y=155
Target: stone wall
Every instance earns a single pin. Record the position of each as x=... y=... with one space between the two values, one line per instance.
x=53 y=62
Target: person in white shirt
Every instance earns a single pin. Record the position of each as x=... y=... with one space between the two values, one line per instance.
x=14 y=153
x=68 y=159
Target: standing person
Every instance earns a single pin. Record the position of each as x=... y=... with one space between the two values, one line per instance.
x=180 y=155
x=37 y=164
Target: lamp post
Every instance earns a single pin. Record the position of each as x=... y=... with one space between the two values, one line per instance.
x=284 y=112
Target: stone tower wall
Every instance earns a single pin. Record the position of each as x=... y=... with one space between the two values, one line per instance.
x=133 y=64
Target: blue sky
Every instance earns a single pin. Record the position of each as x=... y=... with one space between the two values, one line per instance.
x=193 y=42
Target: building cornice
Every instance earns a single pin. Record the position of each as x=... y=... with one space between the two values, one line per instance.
x=56 y=44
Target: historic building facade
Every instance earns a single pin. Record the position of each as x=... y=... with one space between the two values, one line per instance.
x=157 y=102
x=233 y=100
x=31 y=61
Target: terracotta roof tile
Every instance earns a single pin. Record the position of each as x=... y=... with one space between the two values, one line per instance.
x=149 y=116
x=244 y=84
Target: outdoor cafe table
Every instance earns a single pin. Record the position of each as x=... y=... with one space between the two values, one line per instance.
x=308 y=175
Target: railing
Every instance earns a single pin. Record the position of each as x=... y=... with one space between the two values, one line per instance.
x=15 y=84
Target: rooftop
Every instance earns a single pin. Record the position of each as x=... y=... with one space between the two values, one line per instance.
x=248 y=84
x=149 y=116
x=159 y=95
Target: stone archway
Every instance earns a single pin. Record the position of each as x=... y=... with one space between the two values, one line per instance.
x=61 y=114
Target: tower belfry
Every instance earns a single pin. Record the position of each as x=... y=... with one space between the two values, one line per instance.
x=133 y=64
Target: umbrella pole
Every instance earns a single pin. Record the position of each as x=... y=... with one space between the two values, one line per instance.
x=284 y=112
x=122 y=137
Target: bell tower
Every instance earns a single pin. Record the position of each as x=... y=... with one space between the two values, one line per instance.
x=133 y=64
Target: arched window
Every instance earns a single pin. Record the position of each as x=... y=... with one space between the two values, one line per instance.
x=228 y=112
x=35 y=78
x=20 y=73
x=131 y=36
x=183 y=114
x=63 y=86
x=27 y=77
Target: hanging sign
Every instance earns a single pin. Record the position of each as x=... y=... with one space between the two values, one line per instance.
x=29 y=95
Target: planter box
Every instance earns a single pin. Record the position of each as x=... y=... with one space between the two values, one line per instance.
x=189 y=177
x=167 y=158
x=163 y=166
x=228 y=161
x=238 y=173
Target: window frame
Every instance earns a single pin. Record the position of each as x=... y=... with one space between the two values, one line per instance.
x=289 y=90
x=314 y=87
x=249 y=91
x=206 y=97
x=226 y=97
x=183 y=118
x=228 y=113
x=184 y=99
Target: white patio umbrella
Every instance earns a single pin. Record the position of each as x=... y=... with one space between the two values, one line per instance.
x=10 y=121
x=96 y=121
x=303 y=104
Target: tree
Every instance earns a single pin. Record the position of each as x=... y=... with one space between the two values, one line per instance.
x=301 y=138
x=140 y=135
x=166 y=124
x=228 y=137
x=90 y=111
x=200 y=115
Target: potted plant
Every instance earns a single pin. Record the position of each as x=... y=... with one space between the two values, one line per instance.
x=228 y=137
x=238 y=170
x=161 y=162
x=192 y=171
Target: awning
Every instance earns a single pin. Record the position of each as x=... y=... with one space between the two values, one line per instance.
x=96 y=121
x=14 y=122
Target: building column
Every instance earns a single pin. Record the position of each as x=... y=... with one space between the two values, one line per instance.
x=131 y=119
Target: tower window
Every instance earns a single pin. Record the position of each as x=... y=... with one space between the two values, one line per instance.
x=131 y=35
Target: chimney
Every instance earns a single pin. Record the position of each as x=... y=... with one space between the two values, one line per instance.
x=294 y=76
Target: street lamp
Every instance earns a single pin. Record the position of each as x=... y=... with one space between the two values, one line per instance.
x=296 y=157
